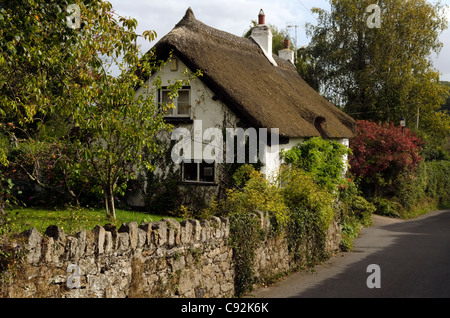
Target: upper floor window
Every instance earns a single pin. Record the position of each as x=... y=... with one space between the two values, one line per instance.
x=182 y=103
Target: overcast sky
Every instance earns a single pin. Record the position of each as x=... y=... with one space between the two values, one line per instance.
x=235 y=16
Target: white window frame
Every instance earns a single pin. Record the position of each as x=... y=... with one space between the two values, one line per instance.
x=175 y=102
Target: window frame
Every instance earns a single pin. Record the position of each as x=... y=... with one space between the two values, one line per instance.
x=200 y=167
x=174 y=110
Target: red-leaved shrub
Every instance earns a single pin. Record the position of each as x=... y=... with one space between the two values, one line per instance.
x=382 y=152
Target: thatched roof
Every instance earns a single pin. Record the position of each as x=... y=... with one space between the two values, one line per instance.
x=262 y=94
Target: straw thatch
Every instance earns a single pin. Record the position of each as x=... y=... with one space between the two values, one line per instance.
x=261 y=94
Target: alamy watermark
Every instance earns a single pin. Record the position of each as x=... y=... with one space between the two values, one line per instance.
x=73 y=281
x=374 y=20
x=73 y=20
x=374 y=279
x=208 y=146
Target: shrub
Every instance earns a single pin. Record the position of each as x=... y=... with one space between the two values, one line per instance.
x=57 y=169
x=381 y=153
x=253 y=192
x=431 y=181
x=434 y=153
x=306 y=236
x=311 y=211
x=387 y=207
x=320 y=158
x=299 y=191
x=356 y=212
x=350 y=230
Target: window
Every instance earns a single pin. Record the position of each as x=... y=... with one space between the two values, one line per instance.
x=199 y=172
x=182 y=103
x=173 y=65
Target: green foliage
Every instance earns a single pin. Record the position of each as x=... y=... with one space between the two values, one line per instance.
x=299 y=191
x=54 y=76
x=12 y=255
x=353 y=204
x=306 y=234
x=312 y=208
x=431 y=181
x=245 y=234
x=356 y=212
x=382 y=73
x=414 y=193
x=7 y=198
x=57 y=168
x=253 y=193
x=387 y=207
x=301 y=210
x=446 y=106
x=350 y=231
x=320 y=158
x=433 y=153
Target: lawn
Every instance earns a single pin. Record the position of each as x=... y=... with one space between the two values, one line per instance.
x=72 y=220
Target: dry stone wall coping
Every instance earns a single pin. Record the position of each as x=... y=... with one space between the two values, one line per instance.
x=56 y=246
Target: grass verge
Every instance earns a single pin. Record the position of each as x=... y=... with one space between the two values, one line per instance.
x=72 y=220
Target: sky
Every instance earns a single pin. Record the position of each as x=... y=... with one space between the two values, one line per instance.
x=235 y=16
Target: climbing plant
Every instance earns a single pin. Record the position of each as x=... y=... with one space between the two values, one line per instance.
x=322 y=159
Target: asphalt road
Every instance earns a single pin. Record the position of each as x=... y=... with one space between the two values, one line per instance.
x=413 y=258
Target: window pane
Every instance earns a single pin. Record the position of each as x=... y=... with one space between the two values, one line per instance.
x=207 y=172
x=190 y=171
x=184 y=105
x=165 y=102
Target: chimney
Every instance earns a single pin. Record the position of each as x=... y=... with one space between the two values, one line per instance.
x=286 y=53
x=262 y=35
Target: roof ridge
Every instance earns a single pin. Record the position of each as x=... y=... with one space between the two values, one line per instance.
x=189 y=15
x=263 y=95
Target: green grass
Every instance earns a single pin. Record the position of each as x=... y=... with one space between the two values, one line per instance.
x=72 y=220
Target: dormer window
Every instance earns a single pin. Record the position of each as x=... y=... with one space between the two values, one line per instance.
x=321 y=125
x=181 y=104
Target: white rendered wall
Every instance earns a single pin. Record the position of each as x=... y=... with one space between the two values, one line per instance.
x=213 y=114
x=273 y=157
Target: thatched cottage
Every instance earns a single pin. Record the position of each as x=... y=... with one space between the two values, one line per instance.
x=243 y=85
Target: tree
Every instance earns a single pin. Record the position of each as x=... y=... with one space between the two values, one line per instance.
x=446 y=106
x=85 y=77
x=306 y=68
x=383 y=73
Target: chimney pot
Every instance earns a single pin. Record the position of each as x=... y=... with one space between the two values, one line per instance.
x=261 y=17
x=287 y=42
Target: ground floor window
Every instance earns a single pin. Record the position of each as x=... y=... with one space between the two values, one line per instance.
x=199 y=172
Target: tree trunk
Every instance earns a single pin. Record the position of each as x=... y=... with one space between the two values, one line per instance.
x=109 y=203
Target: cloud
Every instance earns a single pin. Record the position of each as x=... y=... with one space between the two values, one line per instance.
x=233 y=16
x=442 y=62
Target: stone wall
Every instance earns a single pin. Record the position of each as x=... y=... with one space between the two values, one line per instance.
x=159 y=259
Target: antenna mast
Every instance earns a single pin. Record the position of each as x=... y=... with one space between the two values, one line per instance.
x=289 y=26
